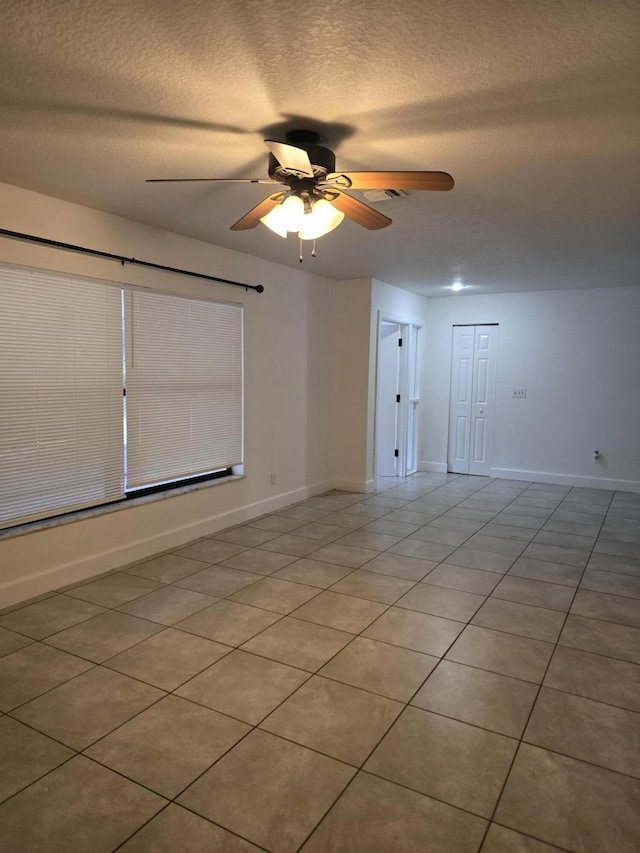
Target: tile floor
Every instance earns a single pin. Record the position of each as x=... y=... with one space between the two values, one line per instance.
x=451 y=664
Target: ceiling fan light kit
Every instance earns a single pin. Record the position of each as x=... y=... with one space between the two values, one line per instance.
x=314 y=201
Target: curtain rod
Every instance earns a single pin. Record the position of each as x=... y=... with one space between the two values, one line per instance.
x=69 y=247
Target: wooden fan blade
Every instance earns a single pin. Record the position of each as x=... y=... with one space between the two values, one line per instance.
x=290 y=157
x=253 y=217
x=360 y=212
x=227 y=180
x=396 y=180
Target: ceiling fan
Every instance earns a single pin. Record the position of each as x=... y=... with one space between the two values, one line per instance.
x=313 y=200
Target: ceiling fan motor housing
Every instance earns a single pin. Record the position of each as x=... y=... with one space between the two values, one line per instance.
x=323 y=161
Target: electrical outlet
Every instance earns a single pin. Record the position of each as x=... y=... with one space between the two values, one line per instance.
x=520 y=392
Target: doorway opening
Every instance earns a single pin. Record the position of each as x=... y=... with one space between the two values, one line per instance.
x=397 y=399
x=472 y=399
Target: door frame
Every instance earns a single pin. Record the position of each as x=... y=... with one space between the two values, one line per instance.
x=407 y=327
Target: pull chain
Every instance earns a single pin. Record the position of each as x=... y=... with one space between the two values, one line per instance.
x=300 y=250
x=313 y=251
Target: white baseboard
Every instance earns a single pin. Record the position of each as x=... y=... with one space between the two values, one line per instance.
x=433 y=467
x=20 y=589
x=566 y=479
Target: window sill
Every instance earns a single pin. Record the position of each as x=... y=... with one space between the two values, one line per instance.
x=105 y=509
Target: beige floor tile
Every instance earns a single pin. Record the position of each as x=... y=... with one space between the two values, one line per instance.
x=611 y=582
x=114 y=589
x=440 y=601
x=366 y=539
x=507 y=531
x=298 y=643
x=106 y=810
x=347 y=520
x=399 y=529
x=441 y=535
x=603 y=638
x=466 y=580
x=210 y=550
x=466 y=765
x=395 y=565
x=569 y=803
x=540 y=570
x=176 y=829
x=244 y=686
x=422 y=550
x=591 y=731
x=506 y=654
x=474 y=558
x=344 y=555
x=86 y=708
x=313 y=573
x=485 y=699
x=344 y=612
x=250 y=536
x=166 y=568
x=418 y=631
x=381 y=668
x=276 y=595
x=25 y=755
x=321 y=531
x=259 y=561
x=522 y=619
x=557 y=554
x=168 y=659
x=481 y=542
x=277 y=523
x=228 y=622
x=610 y=608
x=335 y=719
x=104 y=636
x=373 y=586
x=553 y=596
x=49 y=616
x=167 y=746
x=32 y=670
x=595 y=677
x=168 y=605
x=564 y=540
x=291 y=544
x=218 y=581
x=376 y=816
x=11 y=642
x=502 y=840
x=289 y=789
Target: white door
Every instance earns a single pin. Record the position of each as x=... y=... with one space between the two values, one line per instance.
x=471 y=413
x=387 y=406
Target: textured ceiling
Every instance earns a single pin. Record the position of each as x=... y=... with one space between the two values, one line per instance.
x=532 y=107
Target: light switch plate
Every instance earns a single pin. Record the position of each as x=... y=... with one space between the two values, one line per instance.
x=520 y=392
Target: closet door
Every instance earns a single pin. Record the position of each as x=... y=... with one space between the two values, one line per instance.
x=472 y=400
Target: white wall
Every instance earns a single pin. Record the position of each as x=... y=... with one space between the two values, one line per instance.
x=577 y=352
x=288 y=390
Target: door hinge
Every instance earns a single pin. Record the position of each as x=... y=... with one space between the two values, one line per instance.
x=399 y=342
x=397 y=398
x=124 y=392
x=396 y=452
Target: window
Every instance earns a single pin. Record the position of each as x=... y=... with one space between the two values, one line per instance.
x=105 y=390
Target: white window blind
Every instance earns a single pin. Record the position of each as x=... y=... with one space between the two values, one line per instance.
x=184 y=387
x=61 y=428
